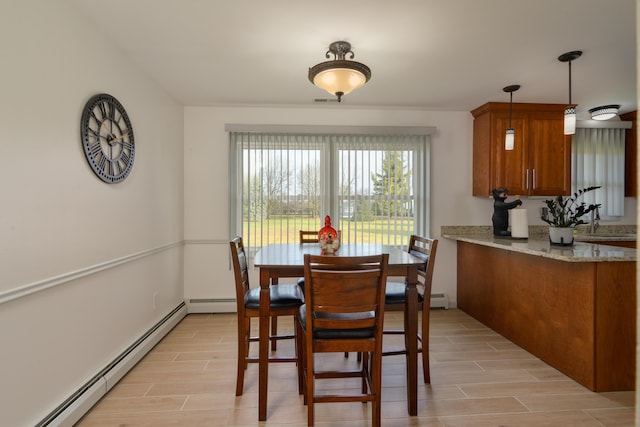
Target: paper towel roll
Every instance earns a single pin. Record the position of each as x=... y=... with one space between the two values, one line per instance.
x=519 y=223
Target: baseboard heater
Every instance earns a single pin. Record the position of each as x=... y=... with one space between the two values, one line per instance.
x=439 y=301
x=79 y=403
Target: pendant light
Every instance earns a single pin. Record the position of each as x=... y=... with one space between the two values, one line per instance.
x=510 y=136
x=570 y=111
x=339 y=76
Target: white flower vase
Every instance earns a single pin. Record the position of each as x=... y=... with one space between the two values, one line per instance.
x=562 y=236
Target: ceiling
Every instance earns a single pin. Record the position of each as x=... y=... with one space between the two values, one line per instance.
x=450 y=55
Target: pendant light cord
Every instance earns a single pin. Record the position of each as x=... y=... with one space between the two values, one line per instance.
x=570 y=82
x=510 y=109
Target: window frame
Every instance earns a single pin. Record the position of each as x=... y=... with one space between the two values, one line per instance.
x=420 y=182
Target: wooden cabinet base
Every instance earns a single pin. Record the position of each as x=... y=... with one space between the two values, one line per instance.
x=579 y=317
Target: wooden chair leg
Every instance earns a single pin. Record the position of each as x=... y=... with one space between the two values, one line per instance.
x=243 y=348
x=376 y=385
x=274 y=322
x=366 y=370
x=309 y=387
x=274 y=332
x=426 y=373
x=300 y=355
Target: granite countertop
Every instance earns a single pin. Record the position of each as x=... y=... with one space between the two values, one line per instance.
x=538 y=244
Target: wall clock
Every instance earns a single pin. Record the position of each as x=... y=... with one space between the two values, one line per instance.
x=107 y=138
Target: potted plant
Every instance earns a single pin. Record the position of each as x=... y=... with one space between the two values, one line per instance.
x=563 y=214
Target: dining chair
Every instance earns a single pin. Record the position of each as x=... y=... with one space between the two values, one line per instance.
x=306 y=236
x=395 y=299
x=285 y=301
x=343 y=312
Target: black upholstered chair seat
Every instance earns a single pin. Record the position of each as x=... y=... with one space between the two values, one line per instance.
x=395 y=293
x=284 y=295
x=320 y=333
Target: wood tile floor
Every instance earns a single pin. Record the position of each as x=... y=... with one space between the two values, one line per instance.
x=478 y=378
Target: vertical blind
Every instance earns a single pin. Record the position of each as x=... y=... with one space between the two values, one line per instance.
x=597 y=159
x=374 y=187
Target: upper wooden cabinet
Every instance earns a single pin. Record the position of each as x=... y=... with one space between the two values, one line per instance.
x=630 y=155
x=539 y=164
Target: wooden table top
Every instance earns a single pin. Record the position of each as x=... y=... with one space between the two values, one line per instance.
x=292 y=254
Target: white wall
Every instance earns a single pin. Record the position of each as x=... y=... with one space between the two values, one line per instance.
x=61 y=321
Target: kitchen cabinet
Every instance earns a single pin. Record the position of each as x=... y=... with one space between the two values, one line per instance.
x=630 y=153
x=578 y=317
x=539 y=164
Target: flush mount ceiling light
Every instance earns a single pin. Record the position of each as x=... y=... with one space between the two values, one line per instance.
x=570 y=111
x=339 y=76
x=509 y=139
x=604 y=112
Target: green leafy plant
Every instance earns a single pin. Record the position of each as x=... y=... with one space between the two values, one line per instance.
x=567 y=211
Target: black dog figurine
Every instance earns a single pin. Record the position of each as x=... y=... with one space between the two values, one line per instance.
x=500 y=216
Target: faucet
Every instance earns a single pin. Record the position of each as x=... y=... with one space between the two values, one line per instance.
x=593 y=223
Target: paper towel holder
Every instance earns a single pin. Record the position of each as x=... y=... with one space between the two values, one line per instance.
x=519 y=224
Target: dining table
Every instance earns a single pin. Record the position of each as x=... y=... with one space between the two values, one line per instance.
x=277 y=261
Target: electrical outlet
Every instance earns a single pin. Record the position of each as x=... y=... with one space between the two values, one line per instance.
x=155 y=300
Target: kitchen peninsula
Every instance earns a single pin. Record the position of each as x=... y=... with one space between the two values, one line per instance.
x=574 y=307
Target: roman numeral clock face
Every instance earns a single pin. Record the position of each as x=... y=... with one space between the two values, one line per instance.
x=107 y=138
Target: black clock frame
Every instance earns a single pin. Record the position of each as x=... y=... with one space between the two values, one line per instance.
x=107 y=138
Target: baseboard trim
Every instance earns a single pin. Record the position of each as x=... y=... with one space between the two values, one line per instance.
x=212 y=305
x=79 y=403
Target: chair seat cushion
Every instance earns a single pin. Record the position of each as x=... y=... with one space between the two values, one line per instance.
x=282 y=296
x=394 y=293
x=321 y=333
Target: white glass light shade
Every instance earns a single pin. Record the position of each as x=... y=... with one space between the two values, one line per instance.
x=570 y=120
x=605 y=112
x=606 y=116
x=338 y=80
x=509 y=139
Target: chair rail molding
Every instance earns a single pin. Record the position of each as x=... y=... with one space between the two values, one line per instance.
x=61 y=279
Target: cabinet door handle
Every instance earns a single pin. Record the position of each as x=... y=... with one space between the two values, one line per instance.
x=527 y=179
x=535 y=184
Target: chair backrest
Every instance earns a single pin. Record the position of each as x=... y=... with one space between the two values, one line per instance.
x=308 y=236
x=424 y=248
x=240 y=270
x=345 y=292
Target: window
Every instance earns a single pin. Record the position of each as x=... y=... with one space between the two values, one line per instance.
x=597 y=159
x=374 y=187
